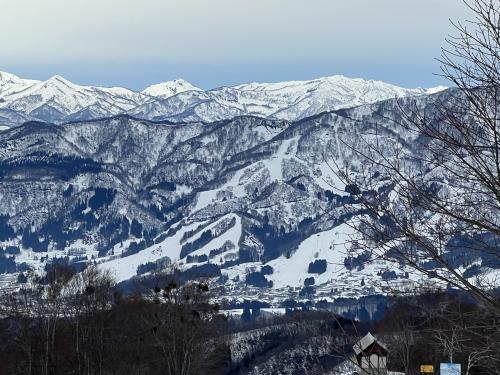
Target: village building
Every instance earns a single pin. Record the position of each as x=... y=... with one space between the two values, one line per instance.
x=371 y=356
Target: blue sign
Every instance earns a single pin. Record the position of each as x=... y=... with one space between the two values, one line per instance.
x=450 y=369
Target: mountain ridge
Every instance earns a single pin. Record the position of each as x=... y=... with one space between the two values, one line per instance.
x=59 y=100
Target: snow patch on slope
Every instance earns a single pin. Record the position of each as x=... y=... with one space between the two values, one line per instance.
x=331 y=245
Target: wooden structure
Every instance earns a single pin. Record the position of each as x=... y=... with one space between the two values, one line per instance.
x=371 y=356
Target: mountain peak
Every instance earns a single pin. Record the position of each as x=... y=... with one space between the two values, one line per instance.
x=11 y=84
x=170 y=88
x=57 y=79
x=9 y=78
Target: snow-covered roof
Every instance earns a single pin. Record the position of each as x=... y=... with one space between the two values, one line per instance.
x=365 y=342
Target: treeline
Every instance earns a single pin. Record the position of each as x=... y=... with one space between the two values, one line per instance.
x=80 y=323
x=67 y=323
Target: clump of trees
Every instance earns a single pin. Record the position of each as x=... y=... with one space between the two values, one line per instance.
x=258 y=279
x=79 y=323
x=318 y=266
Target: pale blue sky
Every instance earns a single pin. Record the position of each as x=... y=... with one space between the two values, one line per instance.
x=210 y=43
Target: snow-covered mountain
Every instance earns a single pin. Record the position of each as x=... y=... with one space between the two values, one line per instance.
x=58 y=100
x=250 y=202
x=285 y=100
x=167 y=89
x=10 y=83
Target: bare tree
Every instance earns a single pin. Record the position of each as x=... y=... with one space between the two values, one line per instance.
x=181 y=325
x=88 y=297
x=438 y=201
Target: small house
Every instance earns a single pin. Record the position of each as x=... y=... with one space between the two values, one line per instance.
x=371 y=356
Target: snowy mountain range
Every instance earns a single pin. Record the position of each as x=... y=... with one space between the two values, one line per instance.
x=253 y=203
x=58 y=100
x=235 y=184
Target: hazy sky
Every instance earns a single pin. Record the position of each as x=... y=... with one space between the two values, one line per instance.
x=210 y=43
